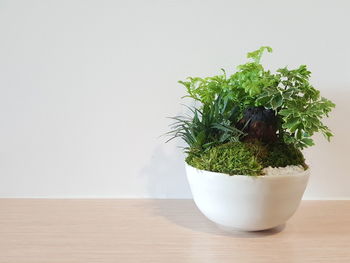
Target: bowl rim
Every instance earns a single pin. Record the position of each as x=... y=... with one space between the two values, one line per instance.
x=256 y=177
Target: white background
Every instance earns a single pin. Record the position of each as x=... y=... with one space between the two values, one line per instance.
x=85 y=88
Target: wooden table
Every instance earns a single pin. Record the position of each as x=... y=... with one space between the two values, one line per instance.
x=42 y=230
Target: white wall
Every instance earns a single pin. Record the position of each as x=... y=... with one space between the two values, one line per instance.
x=85 y=87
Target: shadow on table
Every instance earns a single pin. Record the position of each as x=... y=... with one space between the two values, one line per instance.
x=165 y=174
x=184 y=213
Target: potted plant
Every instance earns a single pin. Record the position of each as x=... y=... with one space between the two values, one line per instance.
x=244 y=138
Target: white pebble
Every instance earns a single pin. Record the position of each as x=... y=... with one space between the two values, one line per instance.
x=278 y=171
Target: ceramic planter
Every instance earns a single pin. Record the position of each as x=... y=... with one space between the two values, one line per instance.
x=248 y=203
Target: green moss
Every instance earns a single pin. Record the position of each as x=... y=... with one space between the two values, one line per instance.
x=281 y=155
x=231 y=158
x=246 y=158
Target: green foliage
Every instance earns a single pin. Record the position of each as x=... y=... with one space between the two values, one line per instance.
x=210 y=126
x=240 y=88
x=298 y=105
x=251 y=119
x=251 y=76
x=239 y=158
x=206 y=90
x=257 y=54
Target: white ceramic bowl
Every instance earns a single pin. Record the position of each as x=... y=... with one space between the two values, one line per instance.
x=248 y=203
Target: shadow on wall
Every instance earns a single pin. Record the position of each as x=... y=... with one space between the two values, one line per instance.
x=165 y=173
x=329 y=161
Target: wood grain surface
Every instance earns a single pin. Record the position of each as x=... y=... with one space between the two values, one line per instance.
x=42 y=230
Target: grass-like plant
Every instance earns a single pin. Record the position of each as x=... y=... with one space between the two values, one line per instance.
x=213 y=124
x=253 y=105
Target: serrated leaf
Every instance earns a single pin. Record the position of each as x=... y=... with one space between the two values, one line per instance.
x=308 y=141
x=292 y=124
x=276 y=102
x=286 y=112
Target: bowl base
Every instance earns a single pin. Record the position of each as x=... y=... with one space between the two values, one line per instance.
x=229 y=229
